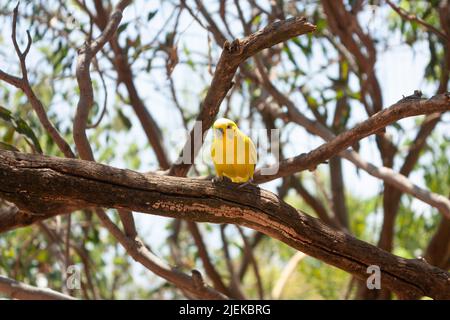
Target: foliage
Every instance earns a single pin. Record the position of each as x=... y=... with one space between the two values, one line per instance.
x=310 y=70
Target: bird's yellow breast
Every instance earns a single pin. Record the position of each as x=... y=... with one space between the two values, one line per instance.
x=234 y=156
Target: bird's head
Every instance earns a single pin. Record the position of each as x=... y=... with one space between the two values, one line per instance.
x=222 y=126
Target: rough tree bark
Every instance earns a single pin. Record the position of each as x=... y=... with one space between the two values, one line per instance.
x=37 y=184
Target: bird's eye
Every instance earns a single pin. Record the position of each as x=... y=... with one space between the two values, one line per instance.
x=229 y=126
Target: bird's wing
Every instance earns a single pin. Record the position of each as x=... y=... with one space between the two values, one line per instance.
x=252 y=150
x=213 y=150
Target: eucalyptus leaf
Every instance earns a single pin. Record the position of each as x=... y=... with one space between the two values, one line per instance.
x=20 y=126
x=23 y=128
x=151 y=15
x=7 y=146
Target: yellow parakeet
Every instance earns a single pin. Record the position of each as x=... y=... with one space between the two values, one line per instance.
x=233 y=152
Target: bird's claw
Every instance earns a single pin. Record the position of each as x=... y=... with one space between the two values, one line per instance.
x=217 y=179
x=248 y=183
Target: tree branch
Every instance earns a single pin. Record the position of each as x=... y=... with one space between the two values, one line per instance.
x=24 y=84
x=400 y=182
x=411 y=17
x=125 y=75
x=233 y=55
x=286 y=273
x=248 y=251
x=393 y=195
x=19 y=290
x=438 y=250
x=139 y=252
x=400 y=110
x=22 y=55
x=384 y=173
x=129 y=240
x=25 y=178
x=210 y=270
x=256 y=239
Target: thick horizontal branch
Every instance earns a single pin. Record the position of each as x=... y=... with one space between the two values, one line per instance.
x=400 y=110
x=19 y=290
x=34 y=182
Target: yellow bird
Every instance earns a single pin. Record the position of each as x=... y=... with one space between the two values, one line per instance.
x=233 y=152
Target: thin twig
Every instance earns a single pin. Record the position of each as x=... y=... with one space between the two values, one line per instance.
x=235 y=286
x=19 y=290
x=286 y=273
x=105 y=98
x=138 y=251
x=248 y=250
x=412 y=17
x=24 y=84
x=210 y=270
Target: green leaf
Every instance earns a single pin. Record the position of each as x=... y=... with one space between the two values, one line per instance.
x=355 y=95
x=339 y=94
x=62 y=53
x=22 y=127
x=257 y=20
x=151 y=15
x=290 y=55
x=42 y=256
x=5 y=114
x=312 y=102
x=9 y=135
x=149 y=65
x=321 y=25
x=7 y=146
x=122 y=28
x=345 y=69
x=119 y=261
x=126 y=122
